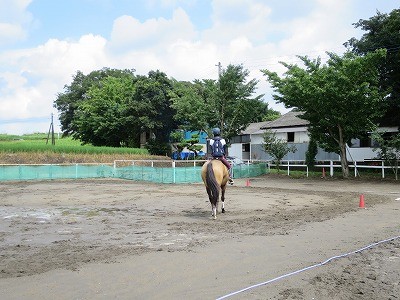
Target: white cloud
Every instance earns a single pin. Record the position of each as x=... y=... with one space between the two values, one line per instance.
x=10 y=32
x=129 y=33
x=242 y=31
x=41 y=72
x=57 y=59
x=14 y=20
x=168 y=3
x=320 y=31
x=239 y=18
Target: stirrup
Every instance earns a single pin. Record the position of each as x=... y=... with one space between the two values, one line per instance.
x=231 y=182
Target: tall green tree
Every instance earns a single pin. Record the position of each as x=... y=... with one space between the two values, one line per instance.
x=113 y=107
x=151 y=105
x=195 y=104
x=228 y=103
x=341 y=99
x=103 y=119
x=236 y=105
x=382 y=31
x=75 y=93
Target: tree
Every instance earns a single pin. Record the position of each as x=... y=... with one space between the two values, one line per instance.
x=151 y=106
x=311 y=152
x=193 y=144
x=271 y=115
x=276 y=147
x=113 y=107
x=76 y=93
x=227 y=103
x=103 y=119
x=389 y=149
x=194 y=104
x=235 y=107
x=180 y=143
x=341 y=100
x=382 y=32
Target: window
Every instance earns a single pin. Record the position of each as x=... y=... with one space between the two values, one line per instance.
x=290 y=137
x=365 y=142
x=246 y=148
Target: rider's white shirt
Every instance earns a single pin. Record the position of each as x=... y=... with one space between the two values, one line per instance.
x=223 y=142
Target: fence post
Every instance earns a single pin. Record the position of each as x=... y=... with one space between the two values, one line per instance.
x=383 y=169
x=307 y=170
x=174 y=172
x=288 y=169
x=355 y=169
x=331 y=168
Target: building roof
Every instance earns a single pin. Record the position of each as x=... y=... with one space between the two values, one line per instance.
x=254 y=127
x=290 y=119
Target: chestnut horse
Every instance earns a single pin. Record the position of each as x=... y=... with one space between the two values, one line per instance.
x=215 y=177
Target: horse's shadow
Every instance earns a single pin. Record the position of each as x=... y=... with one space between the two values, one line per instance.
x=198 y=213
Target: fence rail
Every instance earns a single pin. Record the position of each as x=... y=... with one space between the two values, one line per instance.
x=332 y=164
x=160 y=171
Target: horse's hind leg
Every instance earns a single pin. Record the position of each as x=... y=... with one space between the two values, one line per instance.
x=214 y=211
x=213 y=206
x=223 y=198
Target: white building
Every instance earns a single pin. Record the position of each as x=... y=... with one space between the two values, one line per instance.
x=289 y=127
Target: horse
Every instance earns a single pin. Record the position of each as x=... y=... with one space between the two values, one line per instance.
x=215 y=177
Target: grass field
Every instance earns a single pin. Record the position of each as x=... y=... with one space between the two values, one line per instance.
x=36 y=149
x=39 y=143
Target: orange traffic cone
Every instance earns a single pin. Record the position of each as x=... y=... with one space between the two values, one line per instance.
x=248 y=182
x=362 y=202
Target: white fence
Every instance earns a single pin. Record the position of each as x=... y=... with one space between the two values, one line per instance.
x=331 y=165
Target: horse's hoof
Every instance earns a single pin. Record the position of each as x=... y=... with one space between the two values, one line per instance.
x=223 y=210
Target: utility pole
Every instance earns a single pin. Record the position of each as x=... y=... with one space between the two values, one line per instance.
x=221 y=126
x=51 y=129
x=219 y=69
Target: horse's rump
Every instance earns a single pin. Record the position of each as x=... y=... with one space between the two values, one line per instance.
x=215 y=176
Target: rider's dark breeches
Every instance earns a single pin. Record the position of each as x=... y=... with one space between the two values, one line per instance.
x=225 y=162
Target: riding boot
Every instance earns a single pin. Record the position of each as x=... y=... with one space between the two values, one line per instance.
x=230 y=180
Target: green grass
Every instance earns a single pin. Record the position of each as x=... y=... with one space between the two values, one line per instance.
x=38 y=143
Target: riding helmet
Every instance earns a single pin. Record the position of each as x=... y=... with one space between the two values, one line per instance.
x=216 y=131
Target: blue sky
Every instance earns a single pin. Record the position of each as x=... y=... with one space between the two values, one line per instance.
x=43 y=43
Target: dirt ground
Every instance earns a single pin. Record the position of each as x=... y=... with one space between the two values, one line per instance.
x=118 y=239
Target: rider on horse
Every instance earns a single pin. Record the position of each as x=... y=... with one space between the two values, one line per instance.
x=218 y=150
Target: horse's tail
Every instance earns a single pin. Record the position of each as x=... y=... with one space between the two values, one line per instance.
x=212 y=184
